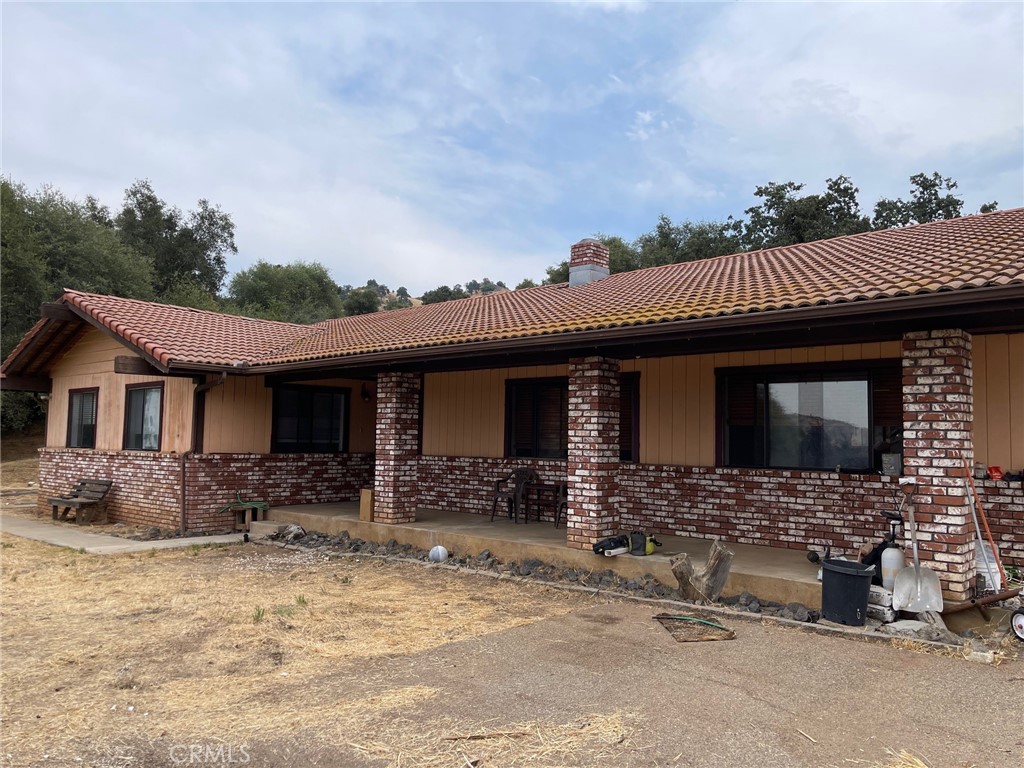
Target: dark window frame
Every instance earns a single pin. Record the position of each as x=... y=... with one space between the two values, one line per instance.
x=128 y=389
x=511 y=396
x=629 y=445
x=873 y=372
x=632 y=454
x=95 y=392
x=309 y=447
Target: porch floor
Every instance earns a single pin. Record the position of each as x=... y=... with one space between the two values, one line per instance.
x=783 y=575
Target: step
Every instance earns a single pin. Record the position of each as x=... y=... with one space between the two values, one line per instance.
x=261 y=529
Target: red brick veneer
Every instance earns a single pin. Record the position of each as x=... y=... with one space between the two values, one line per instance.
x=465 y=484
x=280 y=478
x=147 y=486
x=1003 y=503
x=938 y=408
x=593 y=450
x=146 y=489
x=397 y=445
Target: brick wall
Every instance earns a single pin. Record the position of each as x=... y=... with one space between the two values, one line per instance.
x=784 y=508
x=146 y=489
x=467 y=484
x=593 y=450
x=395 y=484
x=938 y=408
x=1003 y=503
x=147 y=486
x=280 y=478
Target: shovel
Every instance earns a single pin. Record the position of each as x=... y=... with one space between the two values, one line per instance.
x=916 y=589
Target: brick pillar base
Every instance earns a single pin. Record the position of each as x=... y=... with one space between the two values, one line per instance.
x=593 y=450
x=394 y=486
x=938 y=409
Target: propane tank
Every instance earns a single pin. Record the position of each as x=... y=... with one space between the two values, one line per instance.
x=893 y=562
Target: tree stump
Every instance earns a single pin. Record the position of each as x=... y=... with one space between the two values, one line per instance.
x=707 y=586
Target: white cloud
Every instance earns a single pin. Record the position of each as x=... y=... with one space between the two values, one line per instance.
x=427 y=144
x=877 y=91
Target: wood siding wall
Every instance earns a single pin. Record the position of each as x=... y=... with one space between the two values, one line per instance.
x=239 y=415
x=90 y=363
x=999 y=400
x=464 y=411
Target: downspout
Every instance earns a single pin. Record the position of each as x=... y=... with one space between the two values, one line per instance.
x=199 y=391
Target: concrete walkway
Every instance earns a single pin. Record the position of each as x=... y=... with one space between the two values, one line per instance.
x=96 y=543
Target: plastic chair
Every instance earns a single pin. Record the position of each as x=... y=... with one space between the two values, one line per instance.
x=512 y=490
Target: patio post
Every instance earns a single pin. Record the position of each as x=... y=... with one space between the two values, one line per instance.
x=397 y=436
x=938 y=413
x=593 y=450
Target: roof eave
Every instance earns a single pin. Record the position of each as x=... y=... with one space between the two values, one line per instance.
x=919 y=307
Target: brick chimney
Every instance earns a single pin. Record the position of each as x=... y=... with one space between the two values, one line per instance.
x=588 y=261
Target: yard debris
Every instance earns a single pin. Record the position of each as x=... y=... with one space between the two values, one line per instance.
x=693 y=628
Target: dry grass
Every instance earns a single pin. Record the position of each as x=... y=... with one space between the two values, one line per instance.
x=233 y=643
x=20 y=458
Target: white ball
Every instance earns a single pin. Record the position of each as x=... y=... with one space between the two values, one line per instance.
x=438 y=554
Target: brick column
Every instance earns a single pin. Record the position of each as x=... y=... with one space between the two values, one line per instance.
x=938 y=409
x=593 y=450
x=394 y=486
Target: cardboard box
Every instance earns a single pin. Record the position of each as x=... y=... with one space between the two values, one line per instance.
x=366 y=505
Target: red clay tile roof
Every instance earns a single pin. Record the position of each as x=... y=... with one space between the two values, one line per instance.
x=956 y=255
x=180 y=334
x=972 y=252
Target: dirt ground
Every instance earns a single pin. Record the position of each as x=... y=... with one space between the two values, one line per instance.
x=259 y=656
x=253 y=655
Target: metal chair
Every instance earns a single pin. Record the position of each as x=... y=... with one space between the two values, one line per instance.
x=512 y=490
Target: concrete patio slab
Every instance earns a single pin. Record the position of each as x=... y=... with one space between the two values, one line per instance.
x=97 y=543
x=775 y=574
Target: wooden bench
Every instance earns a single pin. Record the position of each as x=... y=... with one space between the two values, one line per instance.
x=88 y=499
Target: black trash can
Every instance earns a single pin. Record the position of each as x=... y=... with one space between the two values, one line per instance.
x=844 y=591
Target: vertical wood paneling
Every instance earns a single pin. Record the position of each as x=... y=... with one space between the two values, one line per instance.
x=1015 y=350
x=175 y=428
x=670 y=394
x=694 y=406
x=679 y=406
x=706 y=456
x=890 y=349
x=997 y=370
x=979 y=431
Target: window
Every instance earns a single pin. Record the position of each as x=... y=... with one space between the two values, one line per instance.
x=537 y=418
x=143 y=413
x=811 y=418
x=82 y=418
x=310 y=420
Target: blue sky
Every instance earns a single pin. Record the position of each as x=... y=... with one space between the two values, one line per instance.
x=420 y=144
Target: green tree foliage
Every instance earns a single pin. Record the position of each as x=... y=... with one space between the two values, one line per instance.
x=50 y=243
x=362 y=301
x=180 y=246
x=526 y=283
x=931 y=199
x=784 y=218
x=444 y=293
x=299 y=292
